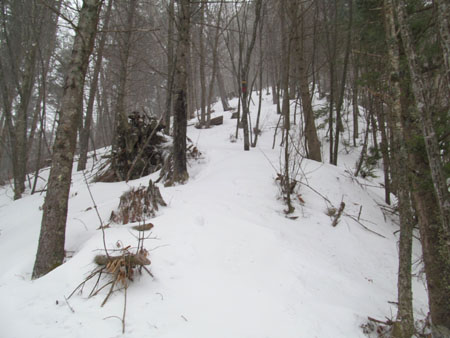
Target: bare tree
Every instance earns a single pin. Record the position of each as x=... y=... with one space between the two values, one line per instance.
x=340 y=101
x=404 y=326
x=215 y=64
x=312 y=140
x=245 y=75
x=50 y=253
x=286 y=43
x=202 y=65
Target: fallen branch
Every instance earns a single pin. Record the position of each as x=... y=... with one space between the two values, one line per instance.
x=388 y=322
x=98 y=214
x=67 y=302
x=370 y=230
x=345 y=214
x=84 y=282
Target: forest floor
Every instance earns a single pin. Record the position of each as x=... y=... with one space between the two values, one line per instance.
x=226 y=259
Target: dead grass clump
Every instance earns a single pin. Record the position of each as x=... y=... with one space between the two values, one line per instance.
x=138 y=204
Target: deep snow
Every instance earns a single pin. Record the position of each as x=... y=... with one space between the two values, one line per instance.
x=226 y=260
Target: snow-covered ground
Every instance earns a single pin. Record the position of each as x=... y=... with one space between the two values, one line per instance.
x=226 y=260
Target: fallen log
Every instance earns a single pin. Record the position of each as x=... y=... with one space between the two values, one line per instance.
x=213 y=122
x=216 y=121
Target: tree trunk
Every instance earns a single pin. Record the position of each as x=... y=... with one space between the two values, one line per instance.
x=364 y=148
x=121 y=134
x=86 y=130
x=423 y=113
x=192 y=104
x=311 y=138
x=214 y=65
x=355 y=102
x=21 y=122
x=443 y=18
x=180 y=174
x=245 y=74
x=50 y=253
x=404 y=325
x=261 y=59
x=384 y=146
x=286 y=46
x=339 y=124
x=332 y=52
x=170 y=67
x=201 y=49
x=222 y=90
x=25 y=90
x=435 y=248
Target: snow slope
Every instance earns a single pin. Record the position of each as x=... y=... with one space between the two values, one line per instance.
x=226 y=260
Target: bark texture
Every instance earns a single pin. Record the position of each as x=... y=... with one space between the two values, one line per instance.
x=50 y=252
x=443 y=11
x=423 y=112
x=434 y=218
x=404 y=325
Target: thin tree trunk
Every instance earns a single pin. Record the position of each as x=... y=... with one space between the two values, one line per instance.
x=214 y=65
x=364 y=148
x=261 y=56
x=121 y=134
x=170 y=66
x=355 y=104
x=222 y=90
x=50 y=253
x=385 y=154
x=286 y=46
x=180 y=173
x=7 y=114
x=86 y=130
x=404 y=325
x=443 y=16
x=245 y=74
x=332 y=46
x=339 y=124
x=192 y=105
x=2 y=138
x=201 y=49
x=311 y=138
x=22 y=121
